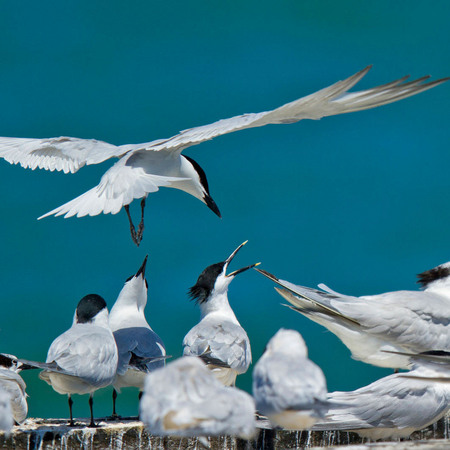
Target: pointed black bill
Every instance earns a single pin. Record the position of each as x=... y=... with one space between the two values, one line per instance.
x=237 y=272
x=211 y=204
x=142 y=268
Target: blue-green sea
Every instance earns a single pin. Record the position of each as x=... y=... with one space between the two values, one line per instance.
x=360 y=201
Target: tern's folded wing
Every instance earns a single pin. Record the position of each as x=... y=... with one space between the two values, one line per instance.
x=327 y=102
x=392 y=402
x=224 y=341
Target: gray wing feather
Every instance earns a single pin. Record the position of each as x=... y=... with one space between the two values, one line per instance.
x=224 y=341
x=137 y=345
x=74 y=353
x=281 y=383
x=392 y=402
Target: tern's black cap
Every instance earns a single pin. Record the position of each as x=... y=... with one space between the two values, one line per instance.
x=437 y=273
x=205 y=283
x=88 y=307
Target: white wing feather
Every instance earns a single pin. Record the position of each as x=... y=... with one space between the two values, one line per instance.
x=327 y=102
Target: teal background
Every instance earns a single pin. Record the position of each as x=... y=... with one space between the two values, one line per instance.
x=358 y=201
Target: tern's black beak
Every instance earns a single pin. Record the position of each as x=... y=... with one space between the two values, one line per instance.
x=211 y=204
x=142 y=268
x=237 y=272
x=230 y=258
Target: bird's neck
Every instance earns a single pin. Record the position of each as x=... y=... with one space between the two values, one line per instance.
x=217 y=304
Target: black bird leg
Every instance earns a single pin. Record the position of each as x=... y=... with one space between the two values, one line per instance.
x=132 y=228
x=114 y=414
x=140 y=231
x=71 y=423
x=91 y=404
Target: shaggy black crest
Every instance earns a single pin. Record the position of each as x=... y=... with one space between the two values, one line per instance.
x=431 y=275
x=88 y=307
x=205 y=283
x=6 y=361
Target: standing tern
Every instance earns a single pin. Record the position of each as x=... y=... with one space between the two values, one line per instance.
x=185 y=399
x=394 y=406
x=12 y=383
x=84 y=358
x=218 y=339
x=288 y=387
x=143 y=168
x=374 y=326
x=140 y=349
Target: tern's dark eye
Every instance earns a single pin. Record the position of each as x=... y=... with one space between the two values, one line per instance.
x=205 y=283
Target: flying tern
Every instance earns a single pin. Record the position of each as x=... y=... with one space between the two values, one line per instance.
x=378 y=328
x=218 y=339
x=84 y=358
x=288 y=387
x=140 y=349
x=185 y=399
x=12 y=383
x=144 y=168
x=394 y=406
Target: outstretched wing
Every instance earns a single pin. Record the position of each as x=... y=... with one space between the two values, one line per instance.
x=327 y=102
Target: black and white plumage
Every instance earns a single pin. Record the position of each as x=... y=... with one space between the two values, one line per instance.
x=374 y=326
x=13 y=385
x=185 y=399
x=144 y=168
x=84 y=358
x=218 y=338
x=140 y=349
x=394 y=406
x=288 y=387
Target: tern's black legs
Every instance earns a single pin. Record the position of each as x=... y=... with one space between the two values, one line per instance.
x=91 y=404
x=140 y=231
x=71 y=423
x=137 y=237
x=114 y=414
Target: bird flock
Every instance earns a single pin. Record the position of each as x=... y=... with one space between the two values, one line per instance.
x=195 y=395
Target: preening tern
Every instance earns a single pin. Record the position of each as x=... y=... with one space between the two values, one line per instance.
x=185 y=399
x=84 y=358
x=394 y=406
x=218 y=339
x=140 y=349
x=374 y=326
x=288 y=387
x=143 y=168
x=12 y=383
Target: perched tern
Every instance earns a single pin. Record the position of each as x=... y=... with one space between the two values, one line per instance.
x=6 y=414
x=12 y=383
x=185 y=399
x=375 y=326
x=288 y=387
x=84 y=358
x=218 y=339
x=143 y=168
x=140 y=349
x=394 y=406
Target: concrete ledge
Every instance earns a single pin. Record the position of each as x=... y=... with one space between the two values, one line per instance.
x=131 y=434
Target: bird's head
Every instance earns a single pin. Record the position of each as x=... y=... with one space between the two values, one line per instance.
x=215 y=280
x=199 y=186
x=92 y=309
x=289 y=342
x=436 y=279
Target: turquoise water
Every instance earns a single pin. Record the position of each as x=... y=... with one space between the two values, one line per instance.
x=358 y=201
